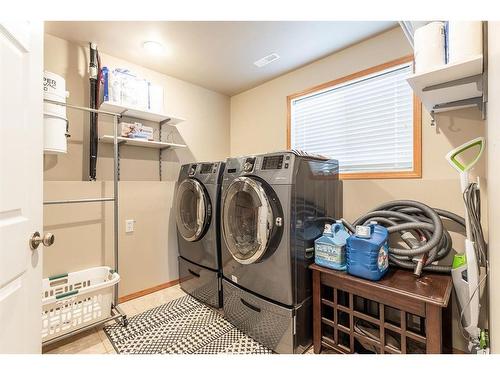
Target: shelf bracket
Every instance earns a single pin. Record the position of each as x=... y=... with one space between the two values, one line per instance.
x=478 y=101
x=165 y=121
x=433 y=118
x=119 y=143
x=160 y=150
x=481 y=81
x=118 y=165
x=477 y=79
x=460 y=103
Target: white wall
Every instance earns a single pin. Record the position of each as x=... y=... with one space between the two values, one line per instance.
x=493 y=153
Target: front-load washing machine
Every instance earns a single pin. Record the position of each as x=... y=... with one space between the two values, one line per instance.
x=197 y=203
x=273 y=207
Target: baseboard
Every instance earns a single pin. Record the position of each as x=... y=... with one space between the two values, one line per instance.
x=144 y=292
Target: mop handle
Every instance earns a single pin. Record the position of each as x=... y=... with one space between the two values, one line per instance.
x=464 y=168
x=464 y=184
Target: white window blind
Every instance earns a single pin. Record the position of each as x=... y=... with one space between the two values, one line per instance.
x=366 y=124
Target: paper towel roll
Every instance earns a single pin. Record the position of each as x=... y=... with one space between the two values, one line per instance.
x=465 y=40
x=429 y=47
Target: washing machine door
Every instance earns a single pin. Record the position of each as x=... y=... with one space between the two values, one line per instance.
x=252 y=219
x=193 y=210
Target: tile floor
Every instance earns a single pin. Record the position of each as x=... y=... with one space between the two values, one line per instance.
x=95 y=341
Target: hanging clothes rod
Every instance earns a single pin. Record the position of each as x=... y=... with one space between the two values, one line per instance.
x=85 y=200
x=87 y=109
x=116 y=119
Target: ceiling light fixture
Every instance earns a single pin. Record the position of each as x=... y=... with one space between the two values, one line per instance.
x=154 y=48
x=266 y=60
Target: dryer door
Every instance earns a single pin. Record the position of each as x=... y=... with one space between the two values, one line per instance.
x=193 y=210
x=252 y=219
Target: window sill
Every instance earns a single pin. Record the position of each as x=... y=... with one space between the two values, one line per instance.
x=381 y=175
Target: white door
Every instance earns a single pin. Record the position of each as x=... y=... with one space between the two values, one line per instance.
x=21 y=179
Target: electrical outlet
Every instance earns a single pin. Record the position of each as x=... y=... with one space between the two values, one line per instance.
x=129 y=225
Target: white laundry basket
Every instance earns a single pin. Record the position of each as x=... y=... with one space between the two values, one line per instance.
x=74 y=300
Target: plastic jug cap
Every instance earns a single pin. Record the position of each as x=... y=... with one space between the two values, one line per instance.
x=363 y=231
x=337 y=227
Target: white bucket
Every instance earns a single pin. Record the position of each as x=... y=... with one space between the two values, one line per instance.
x=465 y=40
x=429 y=48
x=53 y=86
x=54 y=115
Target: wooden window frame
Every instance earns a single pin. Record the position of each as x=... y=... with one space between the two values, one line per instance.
x=416 y=172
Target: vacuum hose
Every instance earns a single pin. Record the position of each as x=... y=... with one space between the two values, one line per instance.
x=93 y=77
x=420 y=227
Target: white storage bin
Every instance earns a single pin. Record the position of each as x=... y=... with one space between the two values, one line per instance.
x=74 y=300
x=155 y=98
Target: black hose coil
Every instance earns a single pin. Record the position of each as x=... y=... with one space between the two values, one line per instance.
x=420 y=227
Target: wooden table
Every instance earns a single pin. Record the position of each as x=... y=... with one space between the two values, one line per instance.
x=393 y=305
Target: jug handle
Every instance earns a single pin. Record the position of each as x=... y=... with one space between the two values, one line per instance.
x=336 y=228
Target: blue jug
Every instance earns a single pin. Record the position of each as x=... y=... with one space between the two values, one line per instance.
x=367 y=252
x=329 y=249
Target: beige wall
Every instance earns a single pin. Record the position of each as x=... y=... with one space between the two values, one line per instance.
x=84 y=233
x=493 y=154
x=258 y=124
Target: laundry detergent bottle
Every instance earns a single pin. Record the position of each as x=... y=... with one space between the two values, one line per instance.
x=367 y=252
x=329 y=249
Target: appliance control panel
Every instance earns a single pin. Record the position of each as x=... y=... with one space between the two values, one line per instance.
x=205 y=172
x=273 y=168
x=207 y=168
x=272 y=162
x=279 y=168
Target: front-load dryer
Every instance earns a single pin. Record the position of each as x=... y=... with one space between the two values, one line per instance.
x=273 y=207
x=197 y=203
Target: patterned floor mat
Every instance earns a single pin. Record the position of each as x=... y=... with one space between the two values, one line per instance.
x=182 y=326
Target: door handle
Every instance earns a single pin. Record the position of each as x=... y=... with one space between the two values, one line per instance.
x=193 y=273
x=250 y=306
x=36 y=239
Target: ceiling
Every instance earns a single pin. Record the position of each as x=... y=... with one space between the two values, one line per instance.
x=220 y=55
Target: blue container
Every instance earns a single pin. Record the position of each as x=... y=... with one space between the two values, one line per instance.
x=367 y=252
x=105 y=78
x=329 y=249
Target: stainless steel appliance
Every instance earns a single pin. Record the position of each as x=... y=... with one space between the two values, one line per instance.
x=273 y=208
x=198 y=230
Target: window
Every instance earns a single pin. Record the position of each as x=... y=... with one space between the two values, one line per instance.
x=370 y=121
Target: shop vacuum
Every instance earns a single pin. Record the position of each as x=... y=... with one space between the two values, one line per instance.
x=466 y=268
